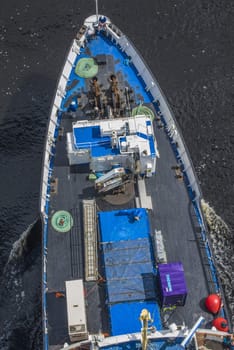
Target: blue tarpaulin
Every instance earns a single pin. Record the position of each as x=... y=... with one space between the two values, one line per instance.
x=121 y=225
x=126 y=315
x=129 y=268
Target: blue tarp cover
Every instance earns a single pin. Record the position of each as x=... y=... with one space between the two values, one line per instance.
x=131 y=312
x=127 y=255
x=129 y=268
x=120 y=225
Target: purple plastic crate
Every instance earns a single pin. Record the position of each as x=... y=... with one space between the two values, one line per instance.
x=172 y=284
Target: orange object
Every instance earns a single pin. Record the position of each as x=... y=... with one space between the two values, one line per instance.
x=213 y=303
x=106 y=334
x=59 y=295
x=221 y=324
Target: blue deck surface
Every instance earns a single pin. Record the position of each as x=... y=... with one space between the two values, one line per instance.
x=90 y=137
x=129 y=268
x=159 y=344
x=101 y=45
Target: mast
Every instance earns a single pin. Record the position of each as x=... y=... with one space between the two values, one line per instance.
x=145 y=319
x=96 y=9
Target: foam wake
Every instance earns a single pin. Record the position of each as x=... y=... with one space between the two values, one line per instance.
x=222 y=242
x=20 y=298
x=20 y=245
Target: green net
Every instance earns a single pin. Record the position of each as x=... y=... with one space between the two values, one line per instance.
x=143 y=110
x=86 y=68
x=62 y=221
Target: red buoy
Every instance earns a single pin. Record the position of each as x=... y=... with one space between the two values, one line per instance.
x=221 y=324
x=213 y=303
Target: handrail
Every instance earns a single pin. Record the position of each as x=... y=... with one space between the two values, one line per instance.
x=47 y=170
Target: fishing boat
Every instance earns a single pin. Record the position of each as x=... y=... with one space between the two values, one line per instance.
x=127 y=262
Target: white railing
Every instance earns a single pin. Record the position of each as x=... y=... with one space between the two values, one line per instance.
x=53 y=121
x=49 y=148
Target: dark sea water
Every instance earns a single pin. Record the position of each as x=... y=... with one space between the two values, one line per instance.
x=189 y=46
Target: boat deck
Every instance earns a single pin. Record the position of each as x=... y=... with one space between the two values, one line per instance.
x=171 y=213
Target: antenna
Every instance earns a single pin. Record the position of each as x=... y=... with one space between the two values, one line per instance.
x=97 y=9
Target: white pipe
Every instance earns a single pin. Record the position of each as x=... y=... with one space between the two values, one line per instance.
x=192 y=331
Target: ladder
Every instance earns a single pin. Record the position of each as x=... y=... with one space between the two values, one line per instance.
x=90 y=239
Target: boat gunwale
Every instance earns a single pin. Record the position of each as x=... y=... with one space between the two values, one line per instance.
x=44 y=213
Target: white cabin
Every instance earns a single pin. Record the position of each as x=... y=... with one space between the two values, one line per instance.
x=128 y=142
